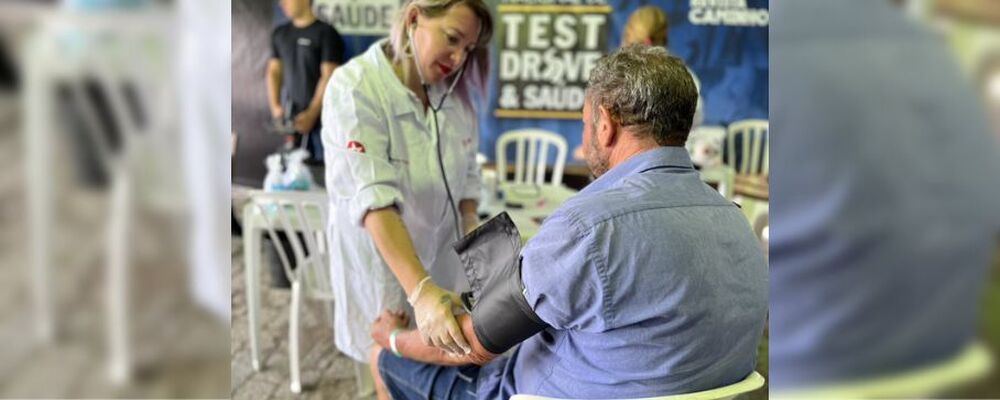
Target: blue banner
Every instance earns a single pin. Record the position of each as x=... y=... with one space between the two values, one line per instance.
x=723 y=41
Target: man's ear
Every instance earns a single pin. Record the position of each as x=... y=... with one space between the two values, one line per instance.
x=647 y=41
x=607 y=128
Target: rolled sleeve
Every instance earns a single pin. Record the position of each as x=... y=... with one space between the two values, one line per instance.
x=561 y=277
x=355 y=139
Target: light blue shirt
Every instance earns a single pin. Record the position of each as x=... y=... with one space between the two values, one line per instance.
x=652 y=284
x=884 y=192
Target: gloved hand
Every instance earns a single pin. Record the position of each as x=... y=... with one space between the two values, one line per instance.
x=432 y=309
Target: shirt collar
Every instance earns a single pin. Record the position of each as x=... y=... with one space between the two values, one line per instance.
x=660 y=157
x=401 y=99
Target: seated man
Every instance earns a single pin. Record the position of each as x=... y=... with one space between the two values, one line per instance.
x=646 y=283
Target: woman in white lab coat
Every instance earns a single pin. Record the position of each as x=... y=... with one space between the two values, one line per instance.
x=401 y=136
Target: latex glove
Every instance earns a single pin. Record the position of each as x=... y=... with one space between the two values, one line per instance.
x=432 y=309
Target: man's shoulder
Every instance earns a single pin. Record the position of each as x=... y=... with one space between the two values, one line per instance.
x=281 y=30
x=660 y=195
x=325 y=27
x=582 y=212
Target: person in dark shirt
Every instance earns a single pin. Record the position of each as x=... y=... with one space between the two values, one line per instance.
x=305 y=51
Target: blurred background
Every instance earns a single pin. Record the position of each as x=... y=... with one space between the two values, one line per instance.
x=117 y=126
x=530 y=86
x=114 y=249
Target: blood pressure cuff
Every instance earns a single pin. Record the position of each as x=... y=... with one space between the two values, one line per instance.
x=490 y=255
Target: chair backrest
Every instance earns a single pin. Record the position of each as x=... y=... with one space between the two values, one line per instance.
x=107 y=82
x=302 y=217
x=704 y=145
x=747 y=147
x=531 y=156
x=752 y=382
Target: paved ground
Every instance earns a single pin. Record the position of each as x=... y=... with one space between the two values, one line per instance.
x=326 y=374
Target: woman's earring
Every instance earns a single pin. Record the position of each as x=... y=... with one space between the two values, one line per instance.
x=408 y=49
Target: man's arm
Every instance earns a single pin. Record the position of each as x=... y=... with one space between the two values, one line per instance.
x=274 y=87
x=305 y=121
x=411 y=346
x=325 y=71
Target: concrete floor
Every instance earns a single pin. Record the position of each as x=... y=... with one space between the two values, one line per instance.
x=325 y=373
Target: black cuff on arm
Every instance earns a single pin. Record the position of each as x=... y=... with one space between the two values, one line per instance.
x=501 y=316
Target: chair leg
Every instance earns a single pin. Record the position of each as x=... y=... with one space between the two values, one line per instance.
x=117 y=281
x=293 y=338
x=364 y=380
x=40 y=204
x=252 y=257
x=40 y=214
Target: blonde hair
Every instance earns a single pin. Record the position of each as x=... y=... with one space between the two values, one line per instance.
x=649 y=22
x=478 y=63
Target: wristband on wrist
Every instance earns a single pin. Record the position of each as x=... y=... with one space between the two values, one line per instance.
x=392 y=342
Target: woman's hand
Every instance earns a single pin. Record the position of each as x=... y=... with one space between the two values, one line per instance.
x=386 y=323
x=435 y=320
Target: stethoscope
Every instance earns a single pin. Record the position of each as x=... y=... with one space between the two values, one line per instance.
x=437 y=131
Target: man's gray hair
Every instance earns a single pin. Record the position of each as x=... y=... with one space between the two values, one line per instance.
x=646 y=89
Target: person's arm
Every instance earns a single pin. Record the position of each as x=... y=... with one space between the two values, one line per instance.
x=469 y=195
x=470 y=216
x=984 y=11
x=394 y=244
x=431 y=304
x=325 y=71
x=306 y=120
x=274 y=87
x=410 y=345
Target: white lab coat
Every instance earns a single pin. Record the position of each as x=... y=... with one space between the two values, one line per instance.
x=380 y=150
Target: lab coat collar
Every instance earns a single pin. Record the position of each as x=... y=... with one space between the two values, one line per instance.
x=401 y=99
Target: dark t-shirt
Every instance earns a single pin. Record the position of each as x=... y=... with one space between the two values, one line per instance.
x=301 y=51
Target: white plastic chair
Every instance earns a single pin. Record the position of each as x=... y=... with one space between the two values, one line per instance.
x=746 y=147
x=705 y=145
x=531 y=156
x=294 y=213
x=748 y=155
x=973 y=362
x=120 y=68
x=752 y=382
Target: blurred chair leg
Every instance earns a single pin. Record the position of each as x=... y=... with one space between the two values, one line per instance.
x=251 y=254
x=117 y=278
x=38 y=147
x=364 y=381
x=293 y=337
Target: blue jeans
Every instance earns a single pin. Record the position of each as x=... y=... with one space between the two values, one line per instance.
x=407 y=379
